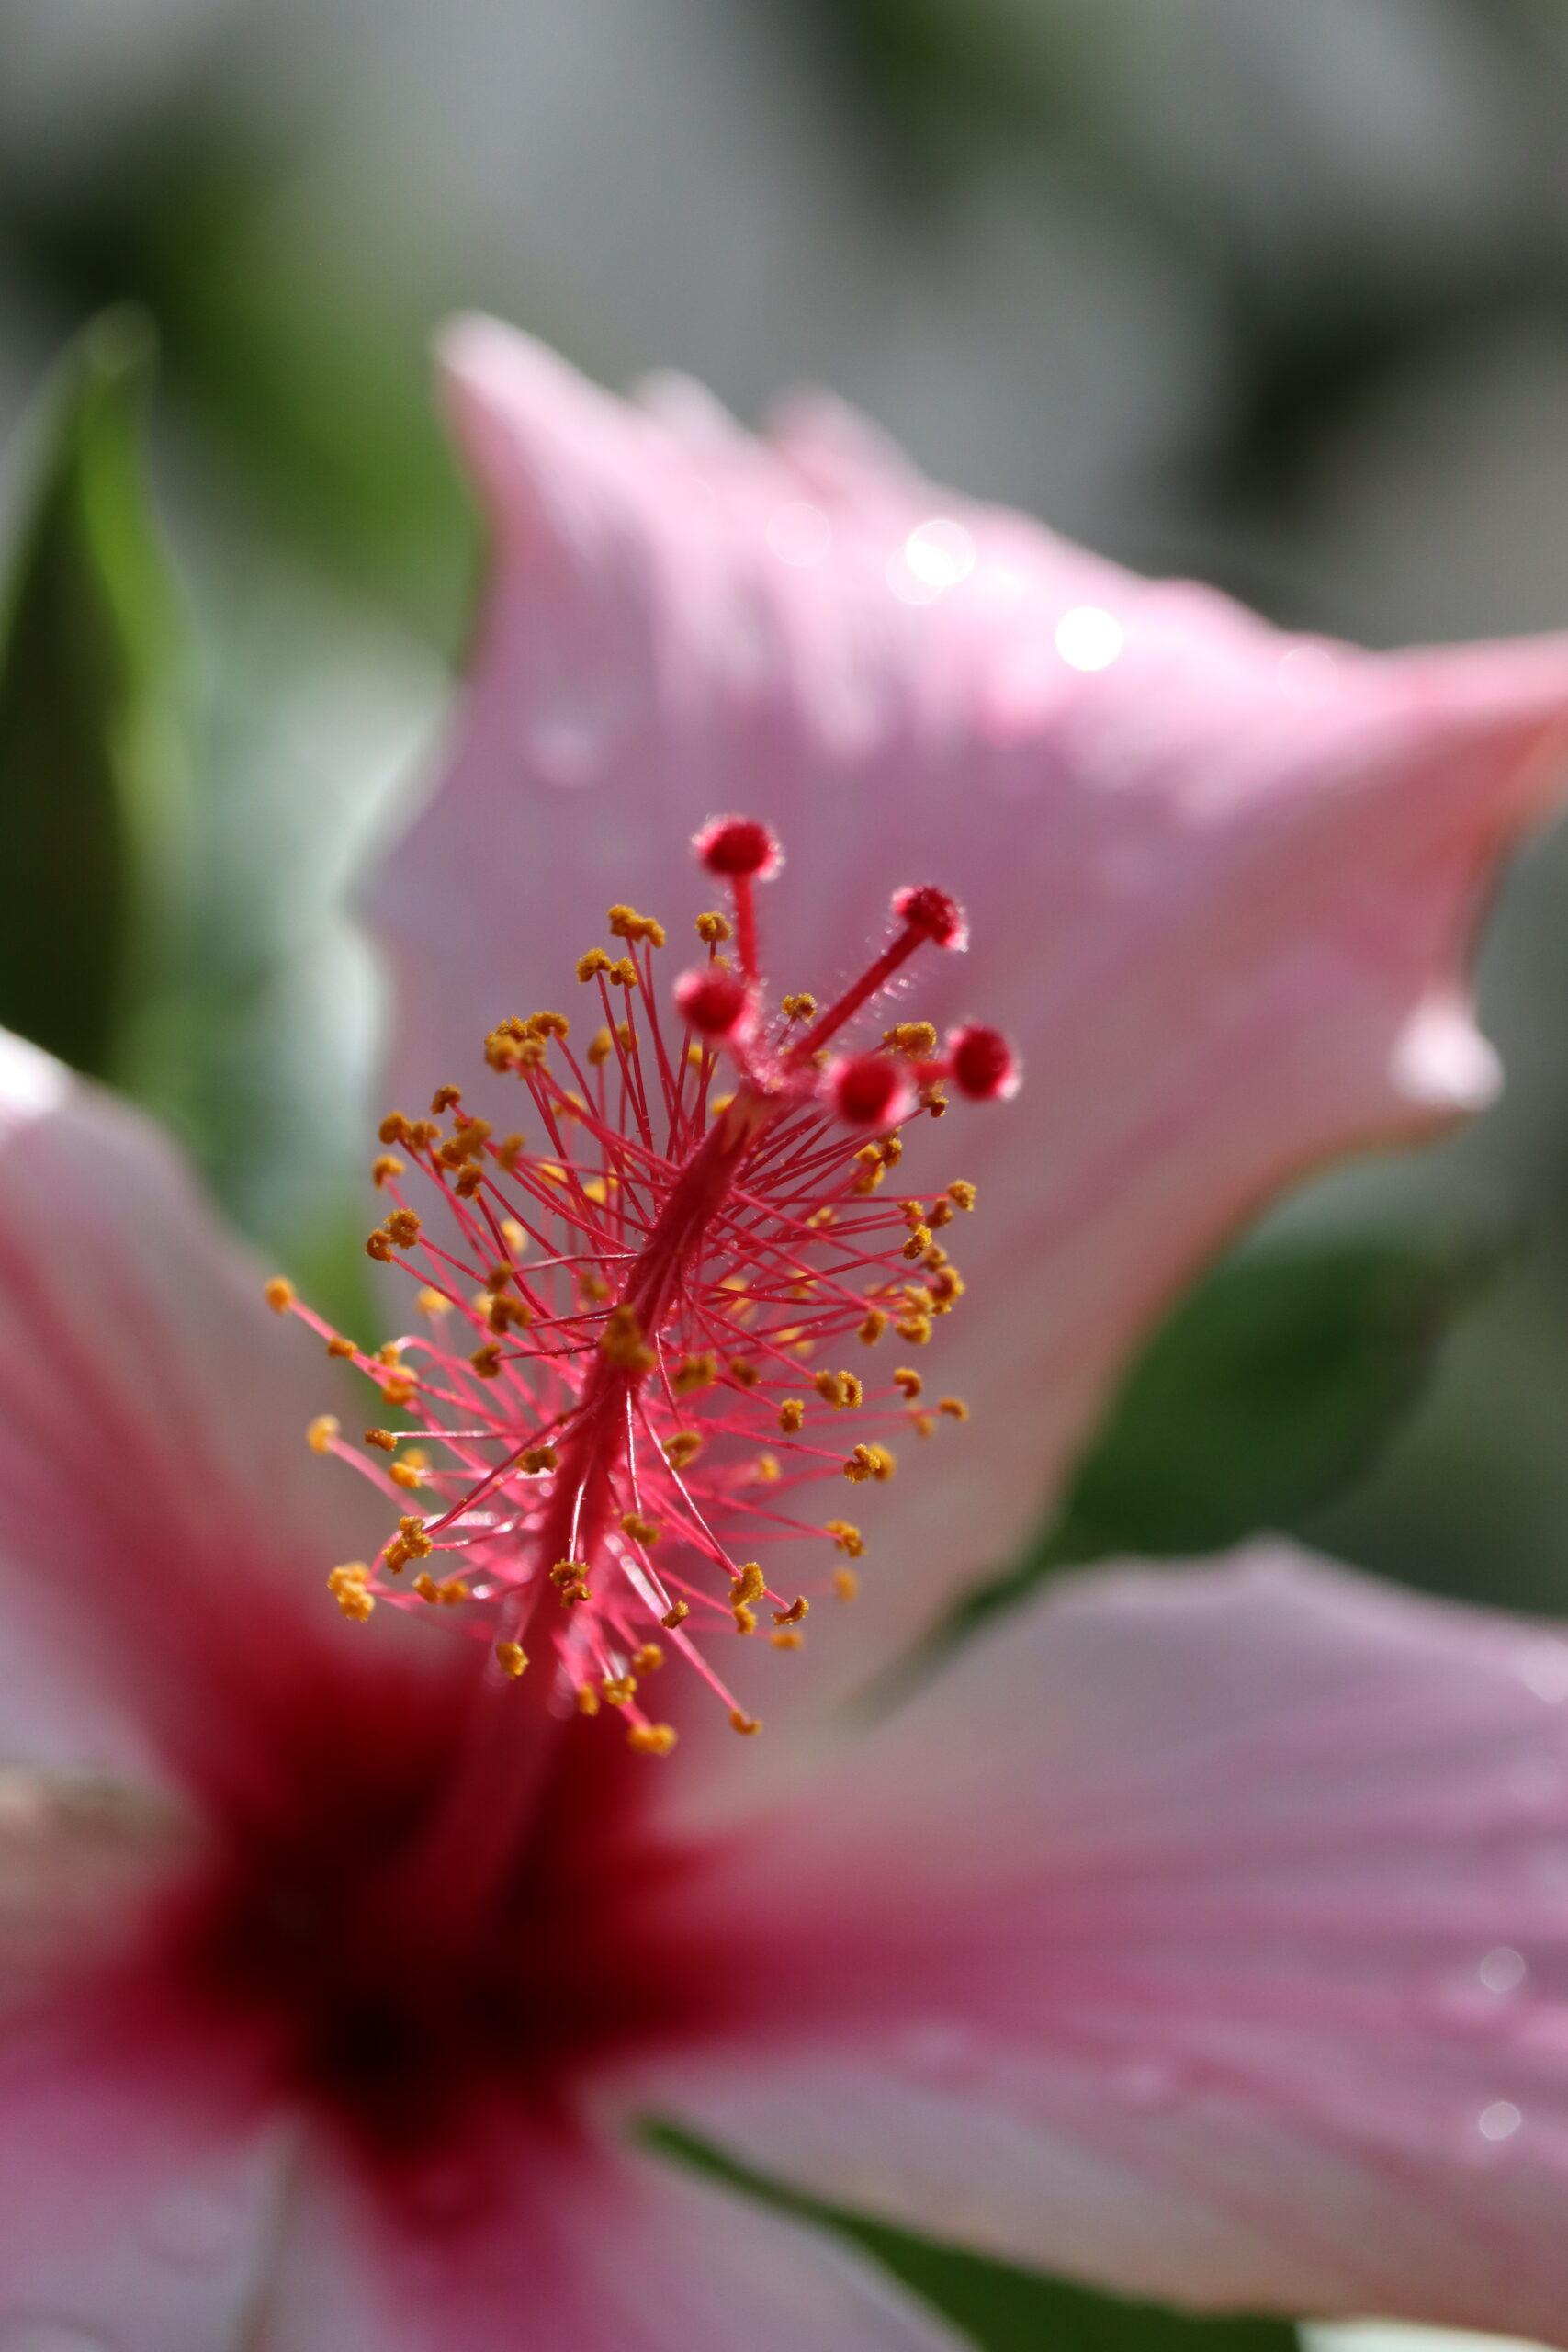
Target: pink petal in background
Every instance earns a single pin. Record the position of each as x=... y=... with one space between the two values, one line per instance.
x=1222 y=880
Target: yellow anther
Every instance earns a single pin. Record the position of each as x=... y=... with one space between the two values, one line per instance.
x=821 y=1219
x=404 y=1228
x=870 y=1461
x=595 y=1288
x=953 y=1407
x=627 y=924
x=486 y=1360
x=622 y=1344
x=938 y=1213
x=514 y=1235
x=647 y=1659
x=693 y=1372
x=385 y=1440
x=743 y=1372
x=538 y=1458
x=676 y=1614
x=601 y=1046
x=589 y=966
x=627 y=1035
x=377 y=1245
x=871 y=1330
x=623 y=975
x=431 y=1303
x=415 y=1540
x=919 y=1241
x=568 y=1572
x=618 y=1690
x=385 y=1167
x=508 y=1151
x=512 y=1658
x=713 y=930
x=279 y=1293
x=547 y=1025
x=420 y=1134
x=408 y=1473
x=744 y=1724
x=961 y=1194
x=792 y=1415
x=587 y=1699
x=322 y=1431
x=392 y=1356
x=916 y=1328
x=944 y=1289
x=802 y=1006
x=933 y=1097
x=793 y=1614
x=870 y=1175
x=917 y=1039
x=786 y=1638
x=468 y=1183
x=505 y=1313
x=908 y=1384
x=640 y=1529
x=847 y=1537
x=394 y=1128
x=840 y=1390
x=749 y=1584
x=445 y=1098
x=720 y=1104
x=395 y=1557
x=651 y=1739
x=846 y=1584
x=347 y=1586
x=427 y=1588
x=766 y=1470
x=682 y=1448
x=745 y=1618
x=338 y=1346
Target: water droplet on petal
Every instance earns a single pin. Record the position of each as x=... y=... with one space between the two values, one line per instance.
x=1147 y=2082
x=940 y=553
x=1308 y=673
x=1543 y=1669
x=1089 y=638
x=906 y=585
x=1504 y=1970
x=1499 y=2121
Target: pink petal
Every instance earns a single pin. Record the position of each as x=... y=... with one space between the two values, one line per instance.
x=578 y=2245
x=141 y=2200
x=1202 y=1934
x=1222 y=880
x=167 y=1530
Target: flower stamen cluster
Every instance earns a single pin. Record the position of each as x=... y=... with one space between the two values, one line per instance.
x=638 y=1313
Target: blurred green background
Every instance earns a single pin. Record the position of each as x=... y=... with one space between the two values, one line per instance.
x=1275 y=292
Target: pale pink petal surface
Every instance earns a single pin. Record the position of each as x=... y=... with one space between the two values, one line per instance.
x=561 y=2243
x=166 y=1527
x=1202 y=1933
x=1220 y=880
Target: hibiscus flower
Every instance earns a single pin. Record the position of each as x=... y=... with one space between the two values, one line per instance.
x=1223 y=879
x=1200 y=1932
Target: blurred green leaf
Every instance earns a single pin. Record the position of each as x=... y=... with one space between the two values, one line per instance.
x=1002 y=2309
x=91 y=781
x=1272 y=1387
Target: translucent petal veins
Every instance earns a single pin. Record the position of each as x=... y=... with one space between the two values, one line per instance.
x=626 y=1390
